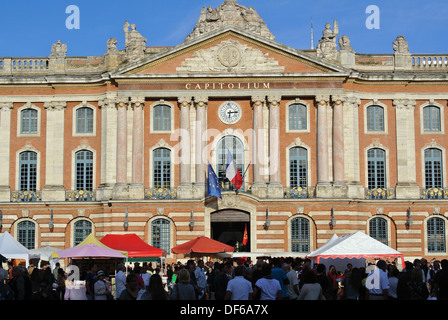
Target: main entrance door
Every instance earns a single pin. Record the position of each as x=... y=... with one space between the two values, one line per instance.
x=228 y=226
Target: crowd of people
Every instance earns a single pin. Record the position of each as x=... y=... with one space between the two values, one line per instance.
x=265 y=279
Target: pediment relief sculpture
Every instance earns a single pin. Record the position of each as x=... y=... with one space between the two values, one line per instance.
x=230 y=56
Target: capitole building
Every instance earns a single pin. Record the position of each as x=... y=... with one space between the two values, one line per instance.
x=329 y=141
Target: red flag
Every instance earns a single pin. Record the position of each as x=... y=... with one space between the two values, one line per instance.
x=245 y=239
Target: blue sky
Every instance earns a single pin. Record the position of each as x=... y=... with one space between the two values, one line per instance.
x=30 y=27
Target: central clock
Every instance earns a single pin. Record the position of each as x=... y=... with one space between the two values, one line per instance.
x=229 y=112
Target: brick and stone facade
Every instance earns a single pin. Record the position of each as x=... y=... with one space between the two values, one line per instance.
x=231 y=57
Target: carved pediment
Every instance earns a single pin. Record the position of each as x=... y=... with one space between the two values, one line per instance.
x=230 y=56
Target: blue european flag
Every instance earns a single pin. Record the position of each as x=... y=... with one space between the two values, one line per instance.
x=214 y=189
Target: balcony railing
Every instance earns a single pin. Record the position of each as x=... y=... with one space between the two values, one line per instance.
x=160 y=194
x=26 y=196
x=299 y=193
x=380 y=193
x=434 y=193
x=80 y=195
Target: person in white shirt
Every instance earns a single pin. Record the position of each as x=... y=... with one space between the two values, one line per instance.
x=239 y=288
x=120 y=280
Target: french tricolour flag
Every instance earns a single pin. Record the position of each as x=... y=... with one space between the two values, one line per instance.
x=232 y=172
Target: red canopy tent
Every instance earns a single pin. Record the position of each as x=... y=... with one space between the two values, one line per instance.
x=136 y=248
x=202 y=246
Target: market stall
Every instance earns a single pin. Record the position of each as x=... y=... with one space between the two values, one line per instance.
x=10 y=248
x=136 y=248
x=203 y=247
x=353 y=248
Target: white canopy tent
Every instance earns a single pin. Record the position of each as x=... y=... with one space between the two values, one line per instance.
x=10 y=248
x=45 y=254
x=353 y=248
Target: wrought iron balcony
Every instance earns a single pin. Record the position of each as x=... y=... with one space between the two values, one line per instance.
x=160 y=194
x=80 y=195
x=299 y=192
x=434 y=193
x=380 y=193
x=26 y=196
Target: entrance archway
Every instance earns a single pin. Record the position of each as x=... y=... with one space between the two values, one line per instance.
x=228 y=226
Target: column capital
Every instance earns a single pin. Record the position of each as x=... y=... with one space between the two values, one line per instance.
x=201 y=101
x=404 y=103
x=258 y=100
x=322 y=99
x=137 y=102
x=55 y=105
x=6 y=106
x=106 y=103
x=274 y=100
x=338 y=99
x=122 y=102
x=184 y=101
x=353 y=101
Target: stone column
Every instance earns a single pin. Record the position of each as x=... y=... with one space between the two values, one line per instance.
x=275 y=187
x=108 y=149
x=5 y=149
x=121 y=189
x=407 y=187
x=338 y=141
x=258 y=158
x=54 y=189
x=200 y=145
x=136 y=189
x=339 y=185
x=184 y=191
x=351 y=148
x=323 y=189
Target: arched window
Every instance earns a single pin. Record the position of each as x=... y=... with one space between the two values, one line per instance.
x=378 y=229
x=297 y=117
x=26 y=233
x=162 y=168
x=28 y=121
x=160 y=234
x=436 y=235
x=376 y=168
x=161 y=118
x=300 y=235
x=433 y=168
x=375 y=118
x=298 y=167
x=28 y=171
x=84 y=170
x=82 y=229
x=431 y=119
x=236 y=148
x=84 y=120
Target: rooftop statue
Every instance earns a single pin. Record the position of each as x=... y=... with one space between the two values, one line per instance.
x=135 y=43
x=58 y=50
x=230 y=13
x=327 y=48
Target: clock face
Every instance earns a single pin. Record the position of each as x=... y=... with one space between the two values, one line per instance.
x=229 y=112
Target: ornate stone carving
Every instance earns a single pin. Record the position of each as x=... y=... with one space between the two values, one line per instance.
x=230 y=13
x=230 y=56
x=404 y=104
x=135 y=43
x=344 y=44
x=58 y=50
x=400 y=45
x=112 y=46
x=55 y=105
x=327 y=48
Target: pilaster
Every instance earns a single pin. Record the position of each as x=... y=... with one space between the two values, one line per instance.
x=54 y=189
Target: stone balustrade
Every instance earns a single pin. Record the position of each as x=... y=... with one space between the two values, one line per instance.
x=430 y=61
